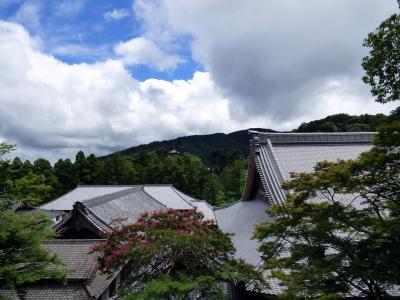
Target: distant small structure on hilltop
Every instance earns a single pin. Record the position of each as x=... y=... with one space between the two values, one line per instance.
x=173 y=153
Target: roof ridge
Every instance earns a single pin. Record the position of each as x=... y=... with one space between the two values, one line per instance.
x=92 y=202
x=72 y=241
x=173 y=188
x=47 y=203
x=313 y=137
x=87 y=213
x=144 y=191
x=227 y=205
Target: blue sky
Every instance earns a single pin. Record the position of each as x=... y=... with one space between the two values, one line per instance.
x=101 y=76
x=85 y=31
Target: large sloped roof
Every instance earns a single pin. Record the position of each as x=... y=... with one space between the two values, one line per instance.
x=82 y=193
x=109 y=203
x=239 y=219
x=273 y=156
x=276 y=155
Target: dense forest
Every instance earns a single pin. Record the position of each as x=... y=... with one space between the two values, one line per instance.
x=39 y=182
x=211 y=167
x=347 y=123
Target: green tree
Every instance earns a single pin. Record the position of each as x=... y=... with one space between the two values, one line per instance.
x=335 y=247
x=382 y=64
x=67 y=179
x=31 y=189
x=170 y=254
x=332 y=247
x=232 y=181
x=22 y=260
x=43 y=167
x=118 y=169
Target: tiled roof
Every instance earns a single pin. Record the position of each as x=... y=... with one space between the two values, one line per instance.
x=49 y=292
x=240 y=218
x=126 y=204
x=82 y=193
x=168 y=197
x=75 y=255
x=279 y=154
x=84 y=279
x=129 y=204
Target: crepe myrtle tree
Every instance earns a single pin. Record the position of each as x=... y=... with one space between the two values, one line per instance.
x=171 y=254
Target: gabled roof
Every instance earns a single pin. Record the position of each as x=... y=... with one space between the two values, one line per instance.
x=98 y=213
x=276 y=155
x=85 y=280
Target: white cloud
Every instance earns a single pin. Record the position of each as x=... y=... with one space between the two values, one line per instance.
x=28 y=14
x=269 y=57
x=82 y=50
x=144 y=51
x=116 y=14
x=52 y=109
x=66 y=8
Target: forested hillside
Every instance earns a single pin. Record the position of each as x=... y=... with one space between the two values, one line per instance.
x=210 y=167
x=347 y=123
x=38 y=182
x=202 y=145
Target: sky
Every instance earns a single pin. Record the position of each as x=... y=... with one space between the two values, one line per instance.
x=101 y=76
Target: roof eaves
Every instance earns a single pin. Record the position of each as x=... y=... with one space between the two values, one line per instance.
x=269 y=172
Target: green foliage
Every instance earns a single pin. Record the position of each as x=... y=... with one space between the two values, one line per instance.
x=22 y=260
x=223 y=158
x=345 y=123
x=6 y=148
x=28 y=190
x=331 y=247
x=382 y=65
x=117 y=170
x=170 y=254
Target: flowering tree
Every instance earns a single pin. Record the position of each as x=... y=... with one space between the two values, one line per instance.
x=170 y=254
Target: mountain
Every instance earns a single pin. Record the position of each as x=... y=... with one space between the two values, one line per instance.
x=201 y=145
x=204 y=145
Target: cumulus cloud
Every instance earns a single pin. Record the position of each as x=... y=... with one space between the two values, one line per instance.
x=144 y=51
x=116 y=14
x=269 y=57
x=52 y=109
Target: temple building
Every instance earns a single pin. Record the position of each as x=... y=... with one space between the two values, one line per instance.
x=93 y=209
x=87 y=211
x=273 y=157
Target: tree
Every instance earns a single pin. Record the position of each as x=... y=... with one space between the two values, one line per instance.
x=170 y=254
x=382 y=65
x=65 y=172
x=232 y=180
x=28 y=190
x=332 y=247
x=335 y=247
x=117 y=169
x=43 y=167
x=22 y=260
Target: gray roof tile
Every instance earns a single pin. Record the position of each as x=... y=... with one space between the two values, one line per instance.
x=240 y=219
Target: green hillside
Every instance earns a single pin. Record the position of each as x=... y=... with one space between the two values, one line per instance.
x=204 y=146
x=201 y=145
